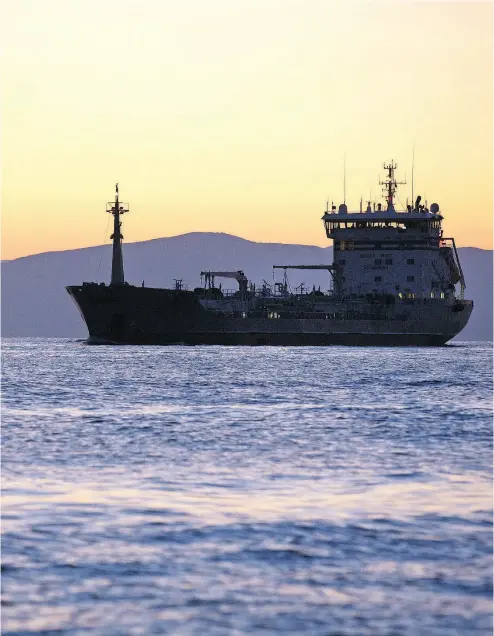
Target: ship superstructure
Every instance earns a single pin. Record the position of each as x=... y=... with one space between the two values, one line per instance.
x=383 y=251
x=394 y=280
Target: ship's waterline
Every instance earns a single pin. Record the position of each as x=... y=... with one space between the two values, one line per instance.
x=393 y=281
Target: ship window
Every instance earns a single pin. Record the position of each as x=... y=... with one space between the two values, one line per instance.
x=341 y=261
x=442 y=294
x=410 y=261
x=377 y=279
x=389 y=261
x=378 y=261
x=410 y=279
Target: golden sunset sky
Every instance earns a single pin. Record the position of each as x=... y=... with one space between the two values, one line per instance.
x=236 y=115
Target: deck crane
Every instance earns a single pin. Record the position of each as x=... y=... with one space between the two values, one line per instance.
x=239 y=276
x=332 y=269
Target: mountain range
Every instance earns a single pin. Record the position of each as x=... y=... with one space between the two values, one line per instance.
x=35 y=303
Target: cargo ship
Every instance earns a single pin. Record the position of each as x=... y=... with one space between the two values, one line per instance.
x=395 y=280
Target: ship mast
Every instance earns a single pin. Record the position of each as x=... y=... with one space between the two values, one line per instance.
x=390 y=184
x=117 y=208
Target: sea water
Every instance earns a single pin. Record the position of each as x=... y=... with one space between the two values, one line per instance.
x=236 y=490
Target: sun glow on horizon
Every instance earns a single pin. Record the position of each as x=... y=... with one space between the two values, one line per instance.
x=236 y=117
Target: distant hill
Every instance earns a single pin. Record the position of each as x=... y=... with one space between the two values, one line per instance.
x=35 y=303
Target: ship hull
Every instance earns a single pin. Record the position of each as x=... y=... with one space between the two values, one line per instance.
x=145 y=316
x=283 y=340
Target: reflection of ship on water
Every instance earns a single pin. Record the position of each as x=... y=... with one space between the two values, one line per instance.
x=394 y=280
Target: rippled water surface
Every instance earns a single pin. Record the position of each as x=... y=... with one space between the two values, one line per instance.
x=195 y=490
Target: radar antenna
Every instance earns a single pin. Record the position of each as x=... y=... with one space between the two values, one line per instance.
x=344 y=178
x=390 y=184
